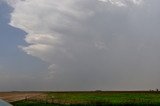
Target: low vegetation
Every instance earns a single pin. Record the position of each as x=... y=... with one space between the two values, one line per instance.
x=93 y=99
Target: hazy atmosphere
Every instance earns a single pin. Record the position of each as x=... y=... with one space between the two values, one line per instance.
x=79 y=44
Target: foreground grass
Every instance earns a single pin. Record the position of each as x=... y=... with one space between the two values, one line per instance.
x=94 y=99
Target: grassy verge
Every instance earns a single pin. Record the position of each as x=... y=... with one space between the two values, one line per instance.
x=33 y=103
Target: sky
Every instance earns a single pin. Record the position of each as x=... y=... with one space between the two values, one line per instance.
x=79 y=45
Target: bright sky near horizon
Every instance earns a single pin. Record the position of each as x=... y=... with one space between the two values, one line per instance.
x=79 y=44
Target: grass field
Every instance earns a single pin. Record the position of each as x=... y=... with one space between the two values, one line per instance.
x=93 y=99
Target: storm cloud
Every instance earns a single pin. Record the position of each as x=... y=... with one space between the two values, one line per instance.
x=92 y=44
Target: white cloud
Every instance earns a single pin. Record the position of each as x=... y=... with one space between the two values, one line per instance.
x=41 y=39
x=119 y=3
x=137 y=1
x=50 y=20
x=38 y=50
x=85 y=38
x=122 y=3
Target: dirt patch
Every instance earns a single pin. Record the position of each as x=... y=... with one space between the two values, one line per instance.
x=17 y=96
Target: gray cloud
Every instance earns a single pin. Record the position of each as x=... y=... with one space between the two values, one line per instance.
x=93 y=44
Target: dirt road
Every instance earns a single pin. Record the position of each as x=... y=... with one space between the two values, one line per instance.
x=16 y=96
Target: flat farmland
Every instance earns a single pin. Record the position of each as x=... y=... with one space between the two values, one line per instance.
x=94 y=98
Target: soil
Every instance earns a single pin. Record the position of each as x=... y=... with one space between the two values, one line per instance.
x=17 y=96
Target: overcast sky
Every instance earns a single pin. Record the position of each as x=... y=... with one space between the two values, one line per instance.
x=79 y=44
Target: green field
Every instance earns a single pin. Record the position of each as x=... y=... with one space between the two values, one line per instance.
x=94 y=99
